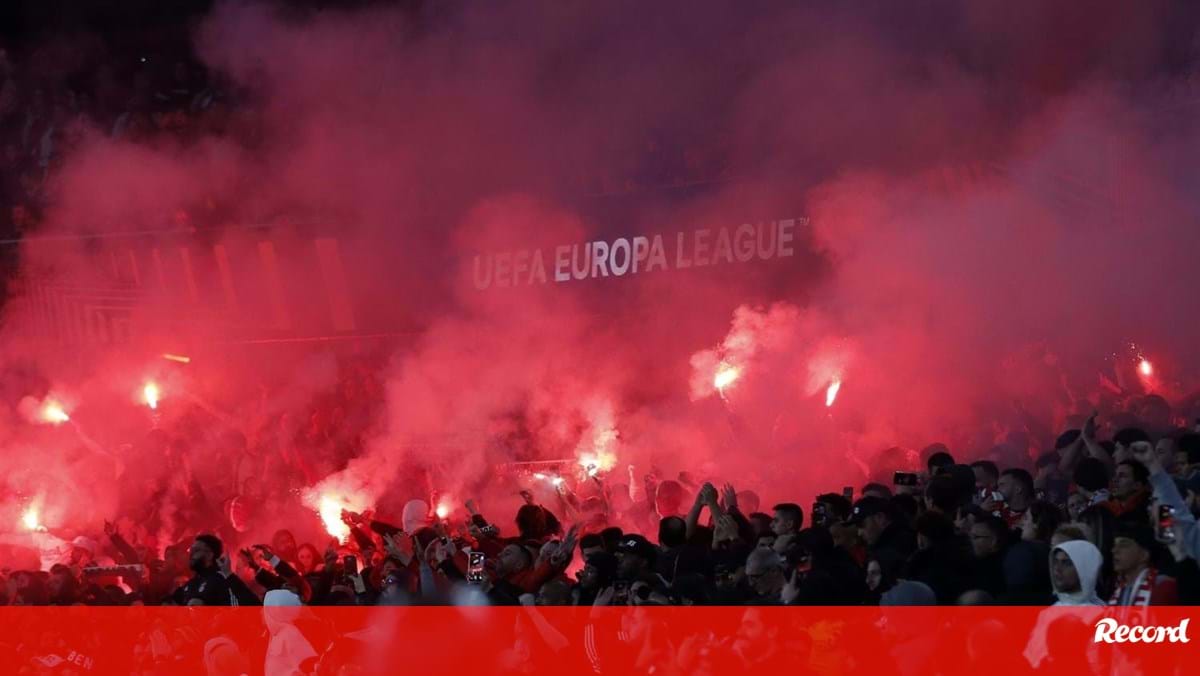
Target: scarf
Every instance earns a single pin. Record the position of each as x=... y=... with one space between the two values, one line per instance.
x=1133 y=503
x=1138 y=593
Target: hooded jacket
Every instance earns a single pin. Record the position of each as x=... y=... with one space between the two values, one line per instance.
x=415 y=516
x=287 y=647
x=1087 y=561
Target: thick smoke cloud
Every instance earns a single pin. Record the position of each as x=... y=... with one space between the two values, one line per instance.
x=995 y=211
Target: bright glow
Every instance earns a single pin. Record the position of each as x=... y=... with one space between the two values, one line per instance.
x=557 y=481
x=150 y=393
x=1146 y=368
x=53 y=413
x=30 y=519
x=594 y=463
x=330 y=509
x=177 y=358
x=329 y=502
x=596 y=451
x=726 y=375
x=539 y=475
x=831 y=392
x=443 y=508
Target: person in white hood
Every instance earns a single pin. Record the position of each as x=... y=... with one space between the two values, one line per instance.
x=1074 y=567
x=415 y=516
x=287 y=648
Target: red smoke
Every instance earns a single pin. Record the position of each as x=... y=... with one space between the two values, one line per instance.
x=993 y=216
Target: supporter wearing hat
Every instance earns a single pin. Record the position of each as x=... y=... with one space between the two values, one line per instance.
x=636 y=559
x=1138 y=581
x=635 y=552
x=888 y=538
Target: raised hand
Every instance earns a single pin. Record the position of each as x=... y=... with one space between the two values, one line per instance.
x=791 y=590
x=1089 y=427
x=730 y=495
x=567 y=547
x=605 y=597
x=708 y=494
x=438 y=551
x=399 y=546
x=724 y=529
x=350 y=518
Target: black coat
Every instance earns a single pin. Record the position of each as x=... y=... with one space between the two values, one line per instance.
x=895 y=544
x=989 y=575
x=946 y=567
x=214 y=589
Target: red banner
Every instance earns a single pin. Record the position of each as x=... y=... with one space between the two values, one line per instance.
x=612 y=640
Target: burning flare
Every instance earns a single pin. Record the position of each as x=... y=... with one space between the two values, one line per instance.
x=330 y=509
x=596 y=451
x=150 y=393
x=53 y=413
x=593 y=464
x=329 y=502
x=726 y=375
x=831 y=392
x=443 y=508
x=1145 y=368
x=29 y=520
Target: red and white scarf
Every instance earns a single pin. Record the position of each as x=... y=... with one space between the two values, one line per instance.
x=1138 y=593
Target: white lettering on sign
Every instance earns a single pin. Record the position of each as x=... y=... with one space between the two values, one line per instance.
x=626 y=256
x=1108 y=630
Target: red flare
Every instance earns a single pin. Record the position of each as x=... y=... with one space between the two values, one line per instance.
x=831 y=392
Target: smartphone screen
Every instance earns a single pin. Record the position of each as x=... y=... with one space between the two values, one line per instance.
x=350 y=564
x=1164 y=527
x=904 y=479
x=818 y=513
x=475 y=567
x=621 y=593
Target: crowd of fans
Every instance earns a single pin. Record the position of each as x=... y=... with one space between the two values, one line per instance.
x=1091 y=521
x=1105 y=517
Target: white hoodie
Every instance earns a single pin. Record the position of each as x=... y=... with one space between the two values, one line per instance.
x=287 y=648
x=1087 y=560
x=415 y=516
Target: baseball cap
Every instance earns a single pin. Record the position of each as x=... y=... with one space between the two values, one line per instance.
x=638 y=546
x=869 y=506
x=1142 y=535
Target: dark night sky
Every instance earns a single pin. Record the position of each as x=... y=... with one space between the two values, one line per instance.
x=1093 y=30
x=23 y=22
